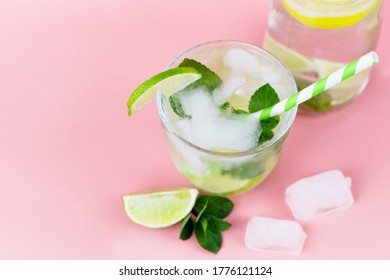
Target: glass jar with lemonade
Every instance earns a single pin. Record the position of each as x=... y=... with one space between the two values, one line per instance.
x=315 y=37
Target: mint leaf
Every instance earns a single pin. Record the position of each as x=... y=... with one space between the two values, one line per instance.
x=209 y=78
x=177 y=107
x=217 y=224
x=208 y=232
x=226 y=106
x=270 y=123
x=239 y=112
x=209 y=240
x=208 y=225
x=266 y=135
x=187 y=227
x=199 y=214
x=204 y=224
x=217 y=206
x=264 y=97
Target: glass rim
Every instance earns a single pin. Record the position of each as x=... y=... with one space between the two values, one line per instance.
x=290 y=115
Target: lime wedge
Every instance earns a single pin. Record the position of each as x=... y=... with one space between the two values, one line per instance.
x=294 y=61
x=330 y=14
x=160 y=208
x=169 y=82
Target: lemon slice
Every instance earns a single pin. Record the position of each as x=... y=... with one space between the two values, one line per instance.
x=294 y=61
x=160 y=208
x=330 y=14
x=169 y=82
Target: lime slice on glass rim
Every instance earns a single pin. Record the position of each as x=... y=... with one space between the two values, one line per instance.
x=169 y=82
x=329 y=14
x=160 y=208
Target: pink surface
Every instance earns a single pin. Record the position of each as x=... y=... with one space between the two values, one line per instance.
x=68 y=151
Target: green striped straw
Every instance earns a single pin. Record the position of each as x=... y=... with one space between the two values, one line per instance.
x=351 y=69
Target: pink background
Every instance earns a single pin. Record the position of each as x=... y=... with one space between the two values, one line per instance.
x=68 y=151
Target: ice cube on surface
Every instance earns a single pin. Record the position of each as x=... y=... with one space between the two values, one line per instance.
x=225 y=131
x=243 y=62
x=275 y=235
x=319 y=195
x=198 y=100
x=227 y=89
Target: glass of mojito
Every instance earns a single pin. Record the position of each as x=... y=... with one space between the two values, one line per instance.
x=214 y=140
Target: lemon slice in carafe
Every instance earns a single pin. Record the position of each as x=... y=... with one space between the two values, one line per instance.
x=330 y=14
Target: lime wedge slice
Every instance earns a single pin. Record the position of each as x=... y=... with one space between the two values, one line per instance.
x=169 y=82
x=160 y=208
x=330 y=14
x=294 y=61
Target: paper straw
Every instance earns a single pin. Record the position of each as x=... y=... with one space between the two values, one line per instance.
x=351 y=69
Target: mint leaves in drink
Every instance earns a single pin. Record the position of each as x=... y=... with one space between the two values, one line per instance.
x=206 y=220
x=264 y=97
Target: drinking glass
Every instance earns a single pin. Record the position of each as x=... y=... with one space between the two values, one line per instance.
x=219 y=171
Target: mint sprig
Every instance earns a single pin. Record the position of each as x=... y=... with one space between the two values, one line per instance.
x=263 y=97
x=206 y=220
